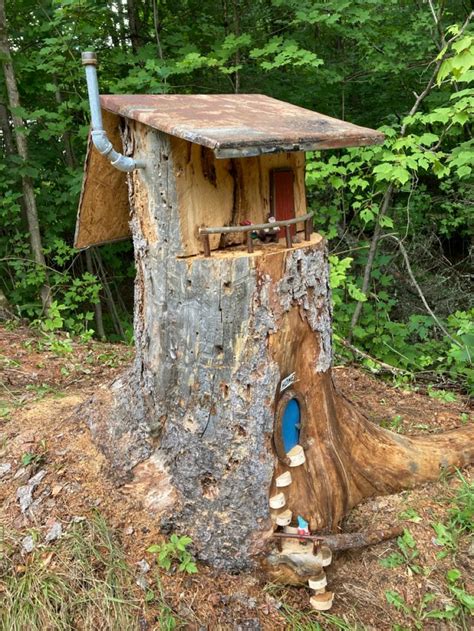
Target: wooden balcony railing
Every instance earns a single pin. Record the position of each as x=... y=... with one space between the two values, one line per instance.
x=285 y=223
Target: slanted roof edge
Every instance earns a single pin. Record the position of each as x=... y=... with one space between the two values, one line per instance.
x=237 y=126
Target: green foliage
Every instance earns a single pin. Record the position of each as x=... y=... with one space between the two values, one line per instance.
x=458 y=609
x=464 y=600
x=279 y=52
x=168 y=620
x=406 y=556
x=445 y=537
x=31 y=458
x=410 y=514
x=395 y=424
x=447 y=397
x=460 y=522
x=461 y=515
x=416 y=615
x=349 y=190
x=175 y=552
x=459 y=604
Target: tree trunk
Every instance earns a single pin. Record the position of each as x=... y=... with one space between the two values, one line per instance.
x=99 y=323
x=134 y=25
x=193 y=426
x=157 y=28
x=69 y=156
x=7 y=136
x=6 y=312
x=21 y=143
x=10 y=150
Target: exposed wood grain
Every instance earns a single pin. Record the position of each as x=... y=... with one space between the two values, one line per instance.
x=210 y=192
x=354 y=540
x=226 y=192
x=349 y=458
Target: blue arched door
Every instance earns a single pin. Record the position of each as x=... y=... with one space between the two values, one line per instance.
x=290 y=425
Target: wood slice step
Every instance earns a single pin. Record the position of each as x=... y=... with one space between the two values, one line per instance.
x=322 y=602
x=284 y=518
x=283 y=480
x=324 y=556
x=296 y=456
x=319 y=591
x=277 y=501
x=318 y=582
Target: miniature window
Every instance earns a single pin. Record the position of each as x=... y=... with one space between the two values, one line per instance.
x=289 y=422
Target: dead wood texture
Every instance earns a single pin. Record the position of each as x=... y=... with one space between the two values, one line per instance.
x=223 y=192
x=209 y=192
x=193 y=420
x=347 y=540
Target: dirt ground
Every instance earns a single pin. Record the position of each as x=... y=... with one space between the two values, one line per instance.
x=40 y=392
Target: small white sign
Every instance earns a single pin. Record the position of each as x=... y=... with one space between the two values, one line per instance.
x=288 y=381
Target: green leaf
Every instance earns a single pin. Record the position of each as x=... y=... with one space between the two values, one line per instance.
x=453 y=575
x=386 y=222
x=191 y=568
x=410 y=514
x=356 y=293
x=366 y=215
x=392 y=561
x=182 y=542
x=395 y=599
x=27 y=458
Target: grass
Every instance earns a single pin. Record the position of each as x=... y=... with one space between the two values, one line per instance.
x=297 y=619
x=461 y=514
x=82 y=582
x=457 y=605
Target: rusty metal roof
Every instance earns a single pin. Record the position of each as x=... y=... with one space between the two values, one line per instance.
x=239 y=125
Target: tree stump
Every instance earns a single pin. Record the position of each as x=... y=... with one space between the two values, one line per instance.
x=196 y=414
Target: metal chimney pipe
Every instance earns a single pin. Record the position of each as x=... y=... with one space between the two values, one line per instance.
x=98 y=134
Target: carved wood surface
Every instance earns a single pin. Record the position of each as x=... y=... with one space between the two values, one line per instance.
x=225 y=192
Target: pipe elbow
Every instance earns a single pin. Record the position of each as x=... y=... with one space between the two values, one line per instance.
x=116 y=159
x=124 y=163
x=99 y=135
x=101 y=142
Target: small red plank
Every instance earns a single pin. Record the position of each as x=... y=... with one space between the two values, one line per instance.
x=283 y=197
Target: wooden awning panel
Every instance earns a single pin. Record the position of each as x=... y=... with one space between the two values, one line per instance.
x=103 y=207
x=240 y=125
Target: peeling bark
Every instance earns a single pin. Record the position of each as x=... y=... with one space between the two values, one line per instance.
x=191 y=425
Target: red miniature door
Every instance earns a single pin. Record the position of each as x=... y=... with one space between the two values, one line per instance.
x=283 y=197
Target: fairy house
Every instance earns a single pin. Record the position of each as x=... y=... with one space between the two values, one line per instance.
x=235 y=159
x=229 y=416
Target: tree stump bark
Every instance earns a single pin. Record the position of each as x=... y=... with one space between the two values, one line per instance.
x=195 y=415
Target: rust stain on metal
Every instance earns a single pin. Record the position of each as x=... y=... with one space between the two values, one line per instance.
x=240 y=125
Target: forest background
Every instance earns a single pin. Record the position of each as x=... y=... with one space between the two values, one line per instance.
x=398 y=217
